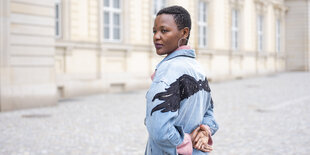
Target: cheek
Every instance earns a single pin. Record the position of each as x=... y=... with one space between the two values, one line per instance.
x=172 y=41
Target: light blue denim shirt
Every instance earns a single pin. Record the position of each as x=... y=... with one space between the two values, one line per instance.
x=178 y=101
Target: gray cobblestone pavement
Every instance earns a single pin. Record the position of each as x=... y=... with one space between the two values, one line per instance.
x=261 y=115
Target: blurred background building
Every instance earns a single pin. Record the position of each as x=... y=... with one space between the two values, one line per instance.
x=53 y=49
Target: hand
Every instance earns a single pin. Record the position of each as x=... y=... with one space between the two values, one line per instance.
x=203 y=145
x=201 y=139
x=194 y=134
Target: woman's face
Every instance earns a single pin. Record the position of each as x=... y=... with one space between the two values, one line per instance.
x=166 y=34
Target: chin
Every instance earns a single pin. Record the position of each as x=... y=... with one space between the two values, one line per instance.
x=159 y=52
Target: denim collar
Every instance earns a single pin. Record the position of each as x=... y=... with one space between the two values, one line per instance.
x=185 y=52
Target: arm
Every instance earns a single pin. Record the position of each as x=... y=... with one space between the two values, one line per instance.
x=161 y=118
x=203 y=140
x=208 y=118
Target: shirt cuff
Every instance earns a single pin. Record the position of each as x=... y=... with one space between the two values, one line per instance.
x=186 y=148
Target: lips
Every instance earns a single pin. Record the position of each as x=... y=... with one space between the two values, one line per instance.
x=158 y=46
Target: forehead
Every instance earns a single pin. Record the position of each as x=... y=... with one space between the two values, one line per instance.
x=165 y=20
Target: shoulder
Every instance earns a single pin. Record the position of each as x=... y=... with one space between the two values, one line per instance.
x=172 y=69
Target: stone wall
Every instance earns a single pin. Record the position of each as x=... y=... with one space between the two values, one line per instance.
x=27 y=54
x=297 y=40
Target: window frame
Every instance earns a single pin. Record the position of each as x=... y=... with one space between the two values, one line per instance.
x=58 y=19
x=158 y=5
x=111 y=11
x=278 y=35
x=235 y=32
x=260 y=32
x=202 y=24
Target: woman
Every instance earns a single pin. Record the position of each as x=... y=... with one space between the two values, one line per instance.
x=179 y=113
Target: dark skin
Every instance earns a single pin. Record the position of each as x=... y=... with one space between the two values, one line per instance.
x=167 y=34
x=200 y=138
x=166 y=39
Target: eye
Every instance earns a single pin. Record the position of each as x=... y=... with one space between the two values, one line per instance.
x=164 y=31
x=154 y=31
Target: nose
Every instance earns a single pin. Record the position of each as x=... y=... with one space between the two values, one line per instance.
x=156 y=36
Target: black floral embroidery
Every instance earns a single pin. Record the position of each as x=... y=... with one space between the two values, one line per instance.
x=184 y=87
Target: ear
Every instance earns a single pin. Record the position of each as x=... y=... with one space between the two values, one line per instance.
x=185 y=32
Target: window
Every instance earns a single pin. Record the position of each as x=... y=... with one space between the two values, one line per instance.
x=58 y=19
x=278 y=35
x=235 y=29
x=157 y=5
x=260 y=33
x=202 y=24
x=112 y=20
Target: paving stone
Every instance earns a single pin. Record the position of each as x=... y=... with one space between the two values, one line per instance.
x=261 y=115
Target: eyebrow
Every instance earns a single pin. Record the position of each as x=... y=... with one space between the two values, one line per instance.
x=161 y=27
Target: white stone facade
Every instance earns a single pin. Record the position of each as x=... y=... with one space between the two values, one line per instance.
x=81 y=58
x=298 y=35
x=27 y=54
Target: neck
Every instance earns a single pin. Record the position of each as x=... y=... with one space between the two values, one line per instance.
x=183 y=47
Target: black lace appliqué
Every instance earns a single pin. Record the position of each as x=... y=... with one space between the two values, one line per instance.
x=184 y=87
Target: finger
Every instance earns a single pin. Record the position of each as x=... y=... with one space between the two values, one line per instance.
x=204 y=133
x=208 y=148
x=203 y=149
x=206 y=136
x=201 y=143
x=198 y=144
x=195 y=132
x=199 y=135
x=203 y=127
x=197 y=129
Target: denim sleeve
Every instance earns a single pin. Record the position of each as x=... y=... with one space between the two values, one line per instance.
x=161 y=126
x=208 y=118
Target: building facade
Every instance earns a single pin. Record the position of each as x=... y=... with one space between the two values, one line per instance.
x=27 y=72
x=298 y=35
x=53 y=49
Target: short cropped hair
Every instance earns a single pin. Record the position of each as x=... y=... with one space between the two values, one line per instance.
x=181 y=16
